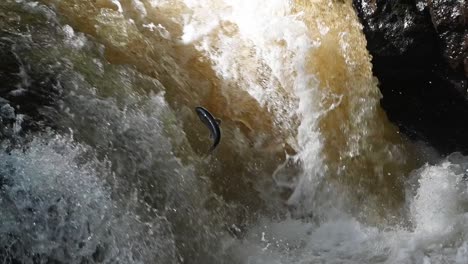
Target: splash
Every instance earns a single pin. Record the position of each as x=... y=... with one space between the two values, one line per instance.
x=309 y=168
x=57 y=207
x=437 y=203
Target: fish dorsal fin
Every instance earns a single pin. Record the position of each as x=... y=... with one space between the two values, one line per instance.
x=218 y=121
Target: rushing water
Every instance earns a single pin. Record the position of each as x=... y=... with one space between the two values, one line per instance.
x=103 y=159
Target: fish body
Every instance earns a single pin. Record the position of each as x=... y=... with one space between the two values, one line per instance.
x=211 y=123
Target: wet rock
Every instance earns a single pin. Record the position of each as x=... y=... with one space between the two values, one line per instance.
x=450 y=20
x=419 y=55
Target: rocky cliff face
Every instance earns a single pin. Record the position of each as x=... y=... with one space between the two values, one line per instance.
x=450 y=21
x=419 y=50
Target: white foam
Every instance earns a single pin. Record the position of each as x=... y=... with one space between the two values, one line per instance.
x=76 y=40
x=163 y=32
x=119 y=5
x=149 y=26
x=435 y=206
x=438 y=233
x=60 y=195
x=140 y=7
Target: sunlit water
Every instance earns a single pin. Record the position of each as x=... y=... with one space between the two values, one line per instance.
x=103 y=159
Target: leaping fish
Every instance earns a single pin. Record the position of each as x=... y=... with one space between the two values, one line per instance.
x=212 y=123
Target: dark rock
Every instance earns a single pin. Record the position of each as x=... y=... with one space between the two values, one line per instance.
x=450 y=20
x=419 y=51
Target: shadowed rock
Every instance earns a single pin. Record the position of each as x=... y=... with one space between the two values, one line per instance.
x=419 y=52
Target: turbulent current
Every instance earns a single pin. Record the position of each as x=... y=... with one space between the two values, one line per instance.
x=104 y=160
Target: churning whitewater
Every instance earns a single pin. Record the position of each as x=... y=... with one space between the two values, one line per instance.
x=102 y=158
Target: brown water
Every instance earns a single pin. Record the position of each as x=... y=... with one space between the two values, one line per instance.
x=309 y=168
